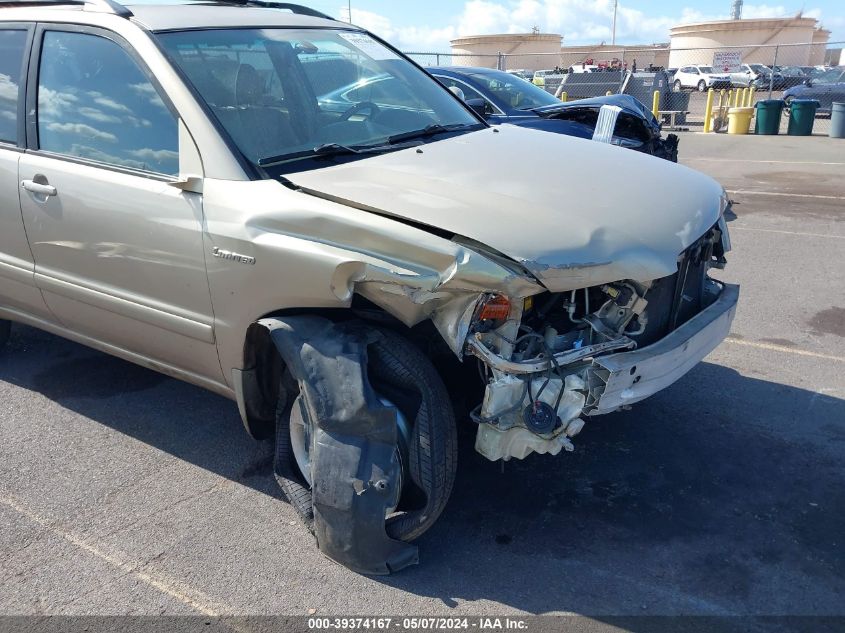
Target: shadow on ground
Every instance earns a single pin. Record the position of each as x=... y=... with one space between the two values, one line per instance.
x=723 y=494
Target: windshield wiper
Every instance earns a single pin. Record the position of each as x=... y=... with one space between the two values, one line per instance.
x=327 y=150
x=430 y=130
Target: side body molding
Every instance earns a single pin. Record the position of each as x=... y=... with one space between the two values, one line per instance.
x=354 y=466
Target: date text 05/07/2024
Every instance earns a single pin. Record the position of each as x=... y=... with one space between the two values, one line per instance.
x=417 y=624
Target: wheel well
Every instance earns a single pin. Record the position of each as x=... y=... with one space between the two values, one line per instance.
x=258 y=388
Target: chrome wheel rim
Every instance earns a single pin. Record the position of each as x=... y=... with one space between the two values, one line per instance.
x=302 y=437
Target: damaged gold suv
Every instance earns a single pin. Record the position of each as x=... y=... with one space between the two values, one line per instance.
x=222 y=192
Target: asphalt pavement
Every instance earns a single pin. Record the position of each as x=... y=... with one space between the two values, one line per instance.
x=126 y=492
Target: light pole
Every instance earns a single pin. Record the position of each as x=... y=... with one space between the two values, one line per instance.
x=349 y=11
x=613 y=36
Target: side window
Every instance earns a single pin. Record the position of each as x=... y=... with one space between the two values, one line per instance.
x=12 y=45
x=95 y=102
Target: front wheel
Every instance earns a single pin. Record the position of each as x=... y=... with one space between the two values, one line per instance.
x=702 y=86
x=403 y=377
x=5 y=328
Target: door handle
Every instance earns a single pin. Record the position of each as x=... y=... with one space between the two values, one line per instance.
x=39 y=188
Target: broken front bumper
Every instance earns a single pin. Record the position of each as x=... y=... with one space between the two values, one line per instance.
x=622 y=379
x=594 y=383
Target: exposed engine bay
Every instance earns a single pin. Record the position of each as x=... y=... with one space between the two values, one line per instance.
x=538 y=359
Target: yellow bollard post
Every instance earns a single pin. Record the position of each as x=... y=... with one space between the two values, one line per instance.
x=738 y=100
x=751 y=92
x=655 y=104
x=745 y=103
x=564 y=96
x=708 y=111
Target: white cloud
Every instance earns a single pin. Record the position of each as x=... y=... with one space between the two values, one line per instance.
x=157 y=155
x=579 y=21
x=8 y=88
x=80 y=129
x=95 y=154
x=98 y=115
x=53 y=103
x=107 y=102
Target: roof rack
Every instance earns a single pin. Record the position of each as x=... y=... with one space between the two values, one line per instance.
x=298 y=9
x=103 y=6
x=116 y=8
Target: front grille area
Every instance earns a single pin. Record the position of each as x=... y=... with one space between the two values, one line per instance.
x=674 y=300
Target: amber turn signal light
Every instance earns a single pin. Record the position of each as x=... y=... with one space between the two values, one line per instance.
x=496 y=308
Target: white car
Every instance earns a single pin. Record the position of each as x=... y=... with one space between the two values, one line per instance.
x=583 y=68
x=700 y=78
x=753 y=75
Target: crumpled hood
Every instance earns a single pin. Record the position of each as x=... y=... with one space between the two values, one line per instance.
x=574 y=212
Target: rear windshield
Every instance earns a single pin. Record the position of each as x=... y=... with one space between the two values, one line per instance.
x=290 y=96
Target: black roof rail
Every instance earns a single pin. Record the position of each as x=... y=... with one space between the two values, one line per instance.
x=298 y=9
x=116 y=8
x=103 y=6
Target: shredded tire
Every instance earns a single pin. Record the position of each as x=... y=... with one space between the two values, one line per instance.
x=285 y=470
x=395 y=368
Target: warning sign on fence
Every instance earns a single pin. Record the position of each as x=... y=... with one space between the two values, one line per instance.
x=727 y=61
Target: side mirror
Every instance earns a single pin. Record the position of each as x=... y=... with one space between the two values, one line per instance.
x=480 y=106
x=458 y=93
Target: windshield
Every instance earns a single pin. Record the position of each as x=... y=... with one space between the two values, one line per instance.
x=759 y=68
x=285 y=95
x=829 y=77
x=706 y=69
x=517 y=94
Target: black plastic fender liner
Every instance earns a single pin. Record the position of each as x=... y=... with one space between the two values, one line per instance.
x=353 y=456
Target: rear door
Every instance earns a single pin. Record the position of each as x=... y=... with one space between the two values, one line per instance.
x=18 y=293
x=118 y=249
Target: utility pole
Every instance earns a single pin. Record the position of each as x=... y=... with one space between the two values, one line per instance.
x=350 y=11
x=613 y=37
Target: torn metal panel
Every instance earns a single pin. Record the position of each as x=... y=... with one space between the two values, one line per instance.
x=313 y=253
x=355 y=472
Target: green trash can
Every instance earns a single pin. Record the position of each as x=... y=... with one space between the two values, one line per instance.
x=769 y=112
x=802 y=116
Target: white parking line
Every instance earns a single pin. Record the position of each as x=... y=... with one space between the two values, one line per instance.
x=764 y=162
x=783 y=349
x=747 y=228
x=784 y=195
x=194 y=598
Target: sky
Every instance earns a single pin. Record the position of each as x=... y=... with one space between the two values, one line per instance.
x=429 y=25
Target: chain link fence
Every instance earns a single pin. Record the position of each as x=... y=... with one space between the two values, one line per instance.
x=739 y=75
